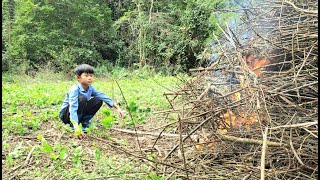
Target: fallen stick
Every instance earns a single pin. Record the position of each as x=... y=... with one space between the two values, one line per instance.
x=134 y=124
x=263 y=153
x=246 y=177
x=136 y=156
x=296 y=125
x=293 y=150
x=250 y=141
x=212 y=67
x=29 y=155
x=189 y=134
x=35 y=137
x=170 y=110
x=15 y=168
x=146 y=133
x=181 y=145
x=302 y=10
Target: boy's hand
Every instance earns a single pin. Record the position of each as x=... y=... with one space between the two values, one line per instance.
x=80 y=136
x=120 y=113
x=78 y=133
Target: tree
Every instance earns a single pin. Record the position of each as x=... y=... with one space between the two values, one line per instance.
x=44 y=31
x=167 y=33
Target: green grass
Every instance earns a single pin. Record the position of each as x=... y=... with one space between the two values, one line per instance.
x=30 y=102
x=27 y=102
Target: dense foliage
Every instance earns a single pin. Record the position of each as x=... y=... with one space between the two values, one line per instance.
x=167 y=35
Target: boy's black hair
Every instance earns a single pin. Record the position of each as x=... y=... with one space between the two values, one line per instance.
x=83 y=68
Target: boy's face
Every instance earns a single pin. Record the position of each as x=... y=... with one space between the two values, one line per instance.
x=85 y=79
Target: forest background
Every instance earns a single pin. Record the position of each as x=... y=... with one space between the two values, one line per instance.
x=169 y=36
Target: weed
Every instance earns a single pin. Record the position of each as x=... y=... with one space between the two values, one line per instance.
x=17 y=152
x=108 y=121
x=153 y=176
x=77 y=153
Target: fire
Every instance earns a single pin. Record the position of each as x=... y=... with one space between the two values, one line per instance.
x=231 y=119
x=253 y=64
x=208 y=145
x=237 y=120
x=205 y=142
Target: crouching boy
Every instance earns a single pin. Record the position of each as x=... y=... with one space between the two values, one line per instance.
x=82 y=101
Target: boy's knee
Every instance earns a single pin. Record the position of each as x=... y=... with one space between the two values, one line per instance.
x=96 y=102
x=82 y=98
x=99 y=103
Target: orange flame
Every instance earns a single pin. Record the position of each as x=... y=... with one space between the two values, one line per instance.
x=209 y=145
x=253 y=63
x=241 y=119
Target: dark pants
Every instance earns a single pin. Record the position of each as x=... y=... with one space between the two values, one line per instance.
x=86 y=111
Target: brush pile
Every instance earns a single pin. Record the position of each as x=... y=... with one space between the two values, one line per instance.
x=253 y=113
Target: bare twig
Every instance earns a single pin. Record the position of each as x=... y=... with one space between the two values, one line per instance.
x=147 y=133
x=306 y=124
x=136 y=156
x=293 y=150
x=29 y=155
x=201 y=124
x=302 y=10
x=250 y=141
x=134 y=124
x=181 y=144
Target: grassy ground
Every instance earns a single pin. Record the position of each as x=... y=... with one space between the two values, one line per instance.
x=36 y=145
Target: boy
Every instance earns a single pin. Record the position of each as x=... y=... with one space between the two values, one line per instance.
x=82 y=101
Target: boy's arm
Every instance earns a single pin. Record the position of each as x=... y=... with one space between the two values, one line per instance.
x=73 y=108
x=108 y=101
x=73 y=104
x=103 y=97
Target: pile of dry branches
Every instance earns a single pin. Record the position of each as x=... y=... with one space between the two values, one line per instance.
x=252 y=113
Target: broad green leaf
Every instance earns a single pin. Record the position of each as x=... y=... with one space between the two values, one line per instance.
x=77 y=128
x=54 y=156
x=150 y=156
x=46 y=147
x=63 y=153
x=76 y=159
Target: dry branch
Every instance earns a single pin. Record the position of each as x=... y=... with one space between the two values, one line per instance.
x=250 y=141
x=29 y=155
x=266 y=75
x=146 y=133
x=263 y=154
x=232 y=101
